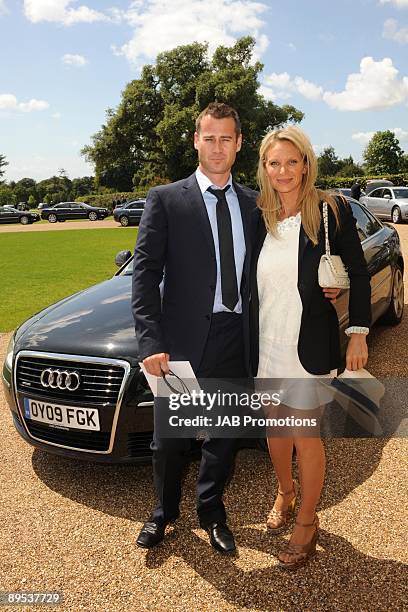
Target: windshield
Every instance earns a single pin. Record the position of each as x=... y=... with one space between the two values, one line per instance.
x=401 y=193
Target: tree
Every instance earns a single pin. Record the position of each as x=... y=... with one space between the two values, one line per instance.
x=3 y=163
x=57 y=188
x=148 y=138
x=31 y=201
x=404 y=163
x=82 y=186
x=328 y=162
x=24 y=188
x=383 y=154
x=7 y=196
x=347 y=167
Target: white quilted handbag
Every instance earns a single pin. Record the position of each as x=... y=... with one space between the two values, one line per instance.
x=332 y=272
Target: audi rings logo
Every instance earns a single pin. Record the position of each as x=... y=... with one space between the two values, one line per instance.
x=60 y=379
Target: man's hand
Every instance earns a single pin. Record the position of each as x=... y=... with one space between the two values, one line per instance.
x=331 y=293
x=157 y=364
x=357 y=352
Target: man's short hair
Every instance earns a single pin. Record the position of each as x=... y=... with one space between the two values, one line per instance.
x=219 y=110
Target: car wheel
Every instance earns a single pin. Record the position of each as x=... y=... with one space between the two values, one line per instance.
x=124 y=221
x=396 y=215
x=24 y=220
x=52 y=218
x=92 y=216
x=393 y=315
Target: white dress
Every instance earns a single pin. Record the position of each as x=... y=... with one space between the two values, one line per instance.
x=280 y=312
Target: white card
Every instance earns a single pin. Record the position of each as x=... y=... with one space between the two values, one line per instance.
x=182 y=370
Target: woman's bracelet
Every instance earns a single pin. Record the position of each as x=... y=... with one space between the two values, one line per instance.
x=355 y=329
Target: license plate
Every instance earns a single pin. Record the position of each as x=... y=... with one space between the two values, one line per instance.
x=64 y=416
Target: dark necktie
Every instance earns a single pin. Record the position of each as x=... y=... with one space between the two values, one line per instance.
x=229 y=285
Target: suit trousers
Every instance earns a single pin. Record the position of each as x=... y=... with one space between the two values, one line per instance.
x=223 y=358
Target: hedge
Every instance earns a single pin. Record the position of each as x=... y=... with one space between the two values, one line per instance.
x=324 y=182
x=106 y=199
x=329 y=182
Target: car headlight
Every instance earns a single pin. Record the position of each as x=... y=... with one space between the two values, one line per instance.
x=8 y=362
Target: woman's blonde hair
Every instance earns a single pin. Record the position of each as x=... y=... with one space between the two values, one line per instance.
x=309 y=196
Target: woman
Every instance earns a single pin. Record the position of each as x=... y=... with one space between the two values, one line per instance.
x=295 y=330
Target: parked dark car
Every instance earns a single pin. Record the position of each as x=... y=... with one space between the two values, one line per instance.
x=64 y=211
x=372 y=184
x=129 y=213
x=9 y=214
x=346 y=191
x=388 y=203
x=71 y=374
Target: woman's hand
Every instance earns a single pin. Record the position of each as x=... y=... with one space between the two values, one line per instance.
x=331 y=293
x=357 y=352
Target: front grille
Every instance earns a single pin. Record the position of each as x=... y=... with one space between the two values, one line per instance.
x=91 y=441
x=139 y=444
x=100 y=382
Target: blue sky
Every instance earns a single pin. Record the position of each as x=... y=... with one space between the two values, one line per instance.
x=64 y=62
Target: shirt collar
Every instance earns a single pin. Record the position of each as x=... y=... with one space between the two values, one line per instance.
x=204 y=182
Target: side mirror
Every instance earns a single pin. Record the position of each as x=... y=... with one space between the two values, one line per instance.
x=122 y=257
x=387 y=196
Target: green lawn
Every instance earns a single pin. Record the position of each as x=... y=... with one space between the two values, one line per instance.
x=39 y=268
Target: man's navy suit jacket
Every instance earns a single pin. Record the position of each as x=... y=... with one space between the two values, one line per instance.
x=175 y=244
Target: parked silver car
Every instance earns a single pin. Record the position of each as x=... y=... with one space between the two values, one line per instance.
x=388 y=203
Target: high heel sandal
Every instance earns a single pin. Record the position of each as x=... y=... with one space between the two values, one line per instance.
x=301 y=553
x=277 y=519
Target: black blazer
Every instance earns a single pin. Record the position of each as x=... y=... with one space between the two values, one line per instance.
x=319 y=342
x=175 y=239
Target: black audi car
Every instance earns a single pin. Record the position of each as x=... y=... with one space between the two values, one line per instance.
x=65 y=211
x=71 y=374
x=129 y=213
x=9 y=214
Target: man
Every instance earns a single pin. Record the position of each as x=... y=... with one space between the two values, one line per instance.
x=356 y=190
x=196 y=233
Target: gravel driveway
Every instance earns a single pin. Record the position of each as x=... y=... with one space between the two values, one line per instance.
x=68 y=225
x=70 y=526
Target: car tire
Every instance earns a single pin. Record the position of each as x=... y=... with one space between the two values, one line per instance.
x=393 y=314
x=24 y=220
x=396 y=215
x=124 y=221
x=93 y=216
x=52 y=218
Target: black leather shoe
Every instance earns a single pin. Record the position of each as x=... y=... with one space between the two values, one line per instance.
x=151 y=534
x=221 y=538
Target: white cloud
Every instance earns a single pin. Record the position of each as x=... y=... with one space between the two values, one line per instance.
x=375 y=87
x=397 y=3
x=365 y=137
x=60 y=11
x=283 y=86
x=401 y=134
x=160 y=25
x=3 y=8
x=33 y=105
x=74 y=60
x=392 y=32
x=56 y=116
x=42 y=166
x=362 y=137
x=9 y=102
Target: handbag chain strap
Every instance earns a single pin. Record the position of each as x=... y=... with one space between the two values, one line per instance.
x=326 y=228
